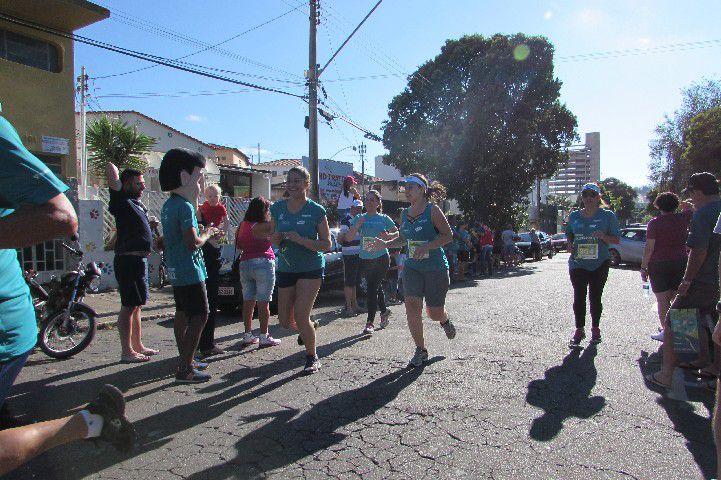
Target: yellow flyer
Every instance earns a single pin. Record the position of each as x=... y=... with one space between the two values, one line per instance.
x=412 y=245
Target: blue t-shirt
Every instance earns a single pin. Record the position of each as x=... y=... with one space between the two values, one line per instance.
x=185 y=266
x=418 y=232
x=701 y=235
x=24 y=180
x=373 y=225
x=589 y=252
x=293 y=257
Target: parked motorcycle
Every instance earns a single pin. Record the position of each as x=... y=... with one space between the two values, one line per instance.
x=66 y=325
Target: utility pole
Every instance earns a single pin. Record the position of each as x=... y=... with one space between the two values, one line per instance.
x=83 y=89
x=362 y=151
x=258 y=153
x=313 y=103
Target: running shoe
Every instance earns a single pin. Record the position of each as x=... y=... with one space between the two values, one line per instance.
x=248 y=339
x=419 y=357
x=268 y=341
x=311 y=364
x=117 y=429
x=191 y=376
x=316 y=326
x=595 y=335
x=449 y=329
x=369 y=329
x=385 y=318
x=658 y=337
x=578 y=335
x=198 y=365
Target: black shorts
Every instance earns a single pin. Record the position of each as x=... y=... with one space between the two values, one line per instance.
x=351 y=270
x=289 y=279
x=666 y=275
x=131 y=272
x=192 y=300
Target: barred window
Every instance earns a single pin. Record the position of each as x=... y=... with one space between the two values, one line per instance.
x=29 y=51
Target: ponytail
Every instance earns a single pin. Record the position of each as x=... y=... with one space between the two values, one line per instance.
x=435 y=192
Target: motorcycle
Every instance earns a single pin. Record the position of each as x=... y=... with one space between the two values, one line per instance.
x=66 y=325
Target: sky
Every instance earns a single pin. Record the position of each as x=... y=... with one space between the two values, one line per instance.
x=623 y=65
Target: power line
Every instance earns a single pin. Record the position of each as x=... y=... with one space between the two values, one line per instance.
x=669 y=48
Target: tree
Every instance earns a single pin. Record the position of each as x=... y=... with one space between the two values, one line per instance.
x=117 y=142
x=621 y=196
x=668 y=170
x=702 y=139
x=484 y=118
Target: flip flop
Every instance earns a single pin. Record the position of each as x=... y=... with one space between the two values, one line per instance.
x=149 y=352
x=690 y=366
x=135 y=359
x=653 y=378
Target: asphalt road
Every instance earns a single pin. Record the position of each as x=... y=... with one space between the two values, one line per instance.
x=504 y=400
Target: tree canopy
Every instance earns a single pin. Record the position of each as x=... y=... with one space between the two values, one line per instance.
x=620 y=196
x=703 y=142
x=117 y=142
x=484 y=118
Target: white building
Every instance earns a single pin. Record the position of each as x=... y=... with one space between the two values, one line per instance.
x=583 y=166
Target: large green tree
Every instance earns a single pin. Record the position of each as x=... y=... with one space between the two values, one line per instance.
x=703 y=142
x=117 y=142
x=484 y=118
x=621 y=196
x=669 y=171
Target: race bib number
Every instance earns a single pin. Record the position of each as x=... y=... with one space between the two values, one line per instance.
x=587 y=251
x=412 y=245
x=365 y=243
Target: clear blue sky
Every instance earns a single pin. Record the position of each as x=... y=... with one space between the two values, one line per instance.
x=623 y=96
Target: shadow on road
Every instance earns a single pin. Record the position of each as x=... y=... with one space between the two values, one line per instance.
x=565 y=392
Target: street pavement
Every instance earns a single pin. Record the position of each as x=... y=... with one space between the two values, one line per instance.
x=505 y=400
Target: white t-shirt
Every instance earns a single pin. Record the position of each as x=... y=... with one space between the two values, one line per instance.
x=507 y=236
x=345 y=202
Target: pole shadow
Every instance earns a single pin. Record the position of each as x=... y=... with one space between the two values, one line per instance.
x=564 y=392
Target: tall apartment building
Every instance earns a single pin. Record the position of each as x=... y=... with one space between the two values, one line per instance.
x=583 y=166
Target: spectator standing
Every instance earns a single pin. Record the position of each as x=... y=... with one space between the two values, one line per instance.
x=257 y=270
x=486 y=250
x=212 y=213
x=664 y=256
x=590 y=231
x=351 y=260
x=346 y=197
x=699 y=287
x=130 y=263
x=508 y=236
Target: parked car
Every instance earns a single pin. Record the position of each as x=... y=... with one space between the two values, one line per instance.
x=525 y=244
x=559 y=242
x=230 y=290
x=630 y=250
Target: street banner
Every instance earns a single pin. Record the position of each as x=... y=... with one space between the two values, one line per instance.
x=330 y=177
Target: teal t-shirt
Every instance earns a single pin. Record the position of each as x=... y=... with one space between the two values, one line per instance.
x=588 y=251
x=419 y=232
x=293 y=257
x=24 y=180
x=185 y=266
x=373 y=225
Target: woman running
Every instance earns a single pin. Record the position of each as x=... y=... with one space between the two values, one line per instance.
x=257 y=270
x=374 y=264
x=425 y=229
x=300 y=229
x=590 y=231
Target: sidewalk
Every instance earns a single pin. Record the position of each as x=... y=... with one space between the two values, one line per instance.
x=160 y=305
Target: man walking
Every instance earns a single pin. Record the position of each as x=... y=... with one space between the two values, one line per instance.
x=132 y=248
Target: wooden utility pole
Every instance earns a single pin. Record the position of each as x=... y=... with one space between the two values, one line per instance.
x=313 y=103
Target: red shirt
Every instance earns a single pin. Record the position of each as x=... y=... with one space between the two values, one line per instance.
x=213 y=214
x=670 y=232
x=487 y=238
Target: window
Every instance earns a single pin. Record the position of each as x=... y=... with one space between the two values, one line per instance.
x=275 y=174
x=29 y=51
x=43 y=257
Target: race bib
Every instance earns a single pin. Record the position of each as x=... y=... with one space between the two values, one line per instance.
x=587 y=251
x=412 y=245
x=365 y=242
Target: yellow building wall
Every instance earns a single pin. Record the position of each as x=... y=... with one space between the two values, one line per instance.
x=40 y=103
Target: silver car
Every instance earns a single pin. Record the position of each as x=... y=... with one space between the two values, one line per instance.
x=630 y=250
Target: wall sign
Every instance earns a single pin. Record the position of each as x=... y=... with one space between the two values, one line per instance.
x=56 y=145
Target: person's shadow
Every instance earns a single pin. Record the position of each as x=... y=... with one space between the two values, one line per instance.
x=565 y=392
x=288 y=438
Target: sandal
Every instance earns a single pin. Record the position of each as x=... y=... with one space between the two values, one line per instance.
x=139 y=358
x=654 y=379
x=149 y=352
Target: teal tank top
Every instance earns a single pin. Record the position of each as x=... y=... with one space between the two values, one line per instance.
x=418 y=232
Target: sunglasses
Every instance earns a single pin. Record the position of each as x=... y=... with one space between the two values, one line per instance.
x=589 y=193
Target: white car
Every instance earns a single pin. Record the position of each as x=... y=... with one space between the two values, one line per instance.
x=630 y=250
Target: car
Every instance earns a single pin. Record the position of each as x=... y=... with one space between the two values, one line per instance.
x=524 y=244
x=630 y=250
x=230 y=290
x=559 y=242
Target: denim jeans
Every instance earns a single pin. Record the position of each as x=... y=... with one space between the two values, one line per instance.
x=257 y=276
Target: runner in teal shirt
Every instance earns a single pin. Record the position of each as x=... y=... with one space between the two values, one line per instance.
x=293 y=257
x=590 y=252
x=372 y=226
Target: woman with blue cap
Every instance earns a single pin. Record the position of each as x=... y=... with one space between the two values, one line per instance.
x=425 y=230
x=590 y=231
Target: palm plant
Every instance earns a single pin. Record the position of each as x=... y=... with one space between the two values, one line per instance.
x=117 y=142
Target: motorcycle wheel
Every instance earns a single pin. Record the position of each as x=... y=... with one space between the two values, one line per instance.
x=59 y=339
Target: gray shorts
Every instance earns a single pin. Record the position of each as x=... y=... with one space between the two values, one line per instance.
x=431 y=285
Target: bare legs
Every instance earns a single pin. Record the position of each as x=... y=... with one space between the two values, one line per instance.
x=414 y=312
x=187 y=334
x=294 y=307
x=129 y=329
x=663 y=303
x=263 y=315
x=351 y=300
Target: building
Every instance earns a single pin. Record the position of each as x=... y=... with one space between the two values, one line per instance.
x=278 y=168
x=386 y=172
x=230 y=156
x=166 y=137
x=583 y=166
x=37 y=77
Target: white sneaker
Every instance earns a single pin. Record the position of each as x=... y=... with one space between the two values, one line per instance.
x=384 y=318
x=369 y=329
x=248 y=339
x=658 y=337
x=268 y=341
